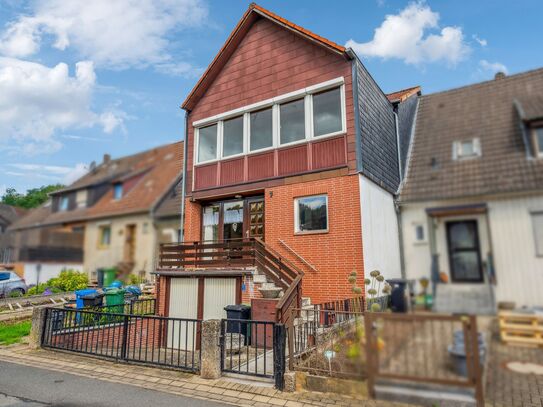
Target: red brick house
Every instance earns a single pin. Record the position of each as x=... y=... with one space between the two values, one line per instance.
x=292 y=147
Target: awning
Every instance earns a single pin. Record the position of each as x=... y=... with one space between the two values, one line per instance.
x=474 y=209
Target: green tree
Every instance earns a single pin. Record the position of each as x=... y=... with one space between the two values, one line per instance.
x=33 y=198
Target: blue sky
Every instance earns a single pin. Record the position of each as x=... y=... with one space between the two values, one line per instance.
x=79 y=79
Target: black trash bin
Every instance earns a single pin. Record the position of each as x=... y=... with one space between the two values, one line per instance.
x=239 y=311
x=398 y=295
x=93 y=300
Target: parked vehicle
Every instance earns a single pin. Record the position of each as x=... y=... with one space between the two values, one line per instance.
x=11 y=284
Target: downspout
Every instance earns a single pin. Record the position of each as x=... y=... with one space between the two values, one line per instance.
x=184 y=179
x=358 y=135
x=400 y=238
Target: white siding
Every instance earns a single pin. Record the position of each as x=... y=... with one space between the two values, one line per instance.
x=518 y=270
x=380 y=240
x=218 y=293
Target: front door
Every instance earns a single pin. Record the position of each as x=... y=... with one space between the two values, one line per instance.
x=233 y=219
x=130 y=244
x=464 y=251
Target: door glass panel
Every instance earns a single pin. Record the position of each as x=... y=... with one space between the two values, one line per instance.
x=256 y=219
x=211 y=222
x=233 y=220
x=464 y=256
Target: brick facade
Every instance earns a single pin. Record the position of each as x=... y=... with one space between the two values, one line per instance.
x=334 y=254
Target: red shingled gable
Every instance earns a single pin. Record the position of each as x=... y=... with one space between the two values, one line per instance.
x=403 y=94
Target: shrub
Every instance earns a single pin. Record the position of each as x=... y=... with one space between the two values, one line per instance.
x=69 y=280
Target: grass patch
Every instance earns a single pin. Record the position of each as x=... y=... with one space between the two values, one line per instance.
x=14 y=332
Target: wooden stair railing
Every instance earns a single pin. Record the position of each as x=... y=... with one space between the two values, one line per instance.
x=241 y=253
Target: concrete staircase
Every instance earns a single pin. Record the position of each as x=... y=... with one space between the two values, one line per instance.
x=260 y=280
x=465 y=299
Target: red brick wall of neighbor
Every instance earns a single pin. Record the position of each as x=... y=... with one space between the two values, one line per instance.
x=271 y=61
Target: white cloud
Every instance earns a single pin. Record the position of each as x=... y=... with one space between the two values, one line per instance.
x=62 y=174
x=405 y=36
x=481 y=41
x=3 y=188
x=117 y=34
x=36 y=101
x=492 y=67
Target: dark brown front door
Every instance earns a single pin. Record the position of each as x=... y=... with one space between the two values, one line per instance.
x=233 y=219
x=464 y=251
x=130 y=244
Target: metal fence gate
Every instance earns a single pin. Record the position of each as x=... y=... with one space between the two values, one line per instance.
x=147 y=339
x=254 y=348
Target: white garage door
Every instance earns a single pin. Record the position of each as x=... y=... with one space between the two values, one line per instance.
x=218 y=293
x=183 y=304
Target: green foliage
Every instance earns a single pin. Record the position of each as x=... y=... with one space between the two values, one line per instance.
x=15 y=294
x=32 y=199
x=133 y=279
x=69 y=280
x=40 y=288
x=13 y=333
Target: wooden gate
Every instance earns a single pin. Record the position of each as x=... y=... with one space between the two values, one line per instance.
x=444 y=350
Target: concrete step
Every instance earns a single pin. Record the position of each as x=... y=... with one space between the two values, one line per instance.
x=465 y=299
x=260 y=278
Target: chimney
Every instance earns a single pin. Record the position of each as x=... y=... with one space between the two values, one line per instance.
x=499 y=75
x=107 y=158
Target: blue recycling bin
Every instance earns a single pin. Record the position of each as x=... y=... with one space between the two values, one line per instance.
x=80 y=294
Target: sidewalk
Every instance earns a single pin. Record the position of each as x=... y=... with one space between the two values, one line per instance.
x=174 y=382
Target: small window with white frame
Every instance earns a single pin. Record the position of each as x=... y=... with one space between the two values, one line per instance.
x=463 y=149
x=292 y=121
x=261 y=129
x=538 y=142
x=64 y=203
x=419 y=233
x=232 y=140
x=327 y=115
x=207 y=143
x=311 y=214
x=537 y=224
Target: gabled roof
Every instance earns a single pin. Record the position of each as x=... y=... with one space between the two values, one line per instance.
x=253 y=13
x=401 y=95
x=531 y=107
x=152 y=173
x=486 y=111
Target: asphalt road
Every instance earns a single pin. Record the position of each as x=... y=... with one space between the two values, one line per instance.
x=32 y=387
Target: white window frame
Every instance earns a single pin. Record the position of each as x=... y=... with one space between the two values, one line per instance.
x=297 y=230
x=221 y=132
x=457 y=149
x=64 y=198
x=538 y=150
x=533 y=214
x=274 y=103
x=424 y=237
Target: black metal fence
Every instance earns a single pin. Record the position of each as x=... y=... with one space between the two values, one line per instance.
x=255 y=348
x=145 y=306
x=162 y=341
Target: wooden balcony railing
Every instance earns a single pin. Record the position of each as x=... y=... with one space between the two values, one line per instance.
x=239 y=253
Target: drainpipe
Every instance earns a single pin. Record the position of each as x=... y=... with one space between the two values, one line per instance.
x=400 y=238
x=184 y=178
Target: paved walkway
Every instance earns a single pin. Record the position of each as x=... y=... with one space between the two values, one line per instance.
x=175 y=382
x=508 y=388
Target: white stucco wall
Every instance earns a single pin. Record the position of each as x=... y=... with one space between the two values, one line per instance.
x=47 y=271
x=145 y=245
x=380 y=239
x=519 y=272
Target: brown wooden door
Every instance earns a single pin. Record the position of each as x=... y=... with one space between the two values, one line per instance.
x=255 y=218
x=130 y=243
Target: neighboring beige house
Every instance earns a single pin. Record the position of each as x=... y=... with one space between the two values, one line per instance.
x=114 y=216
x=472 y=202
x=125 y=227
